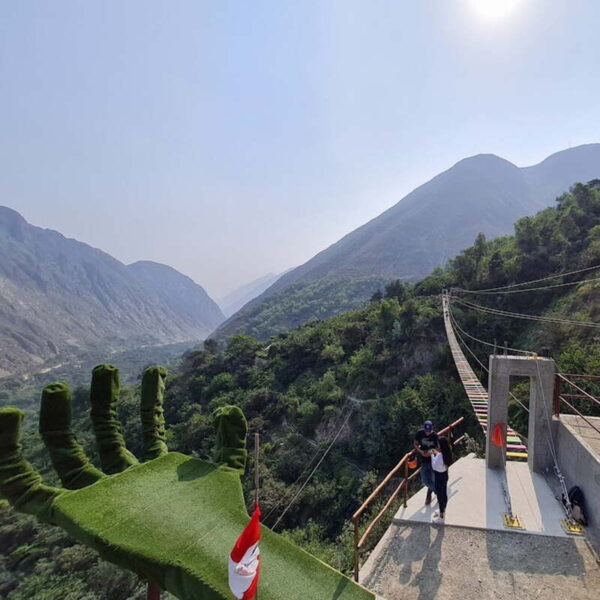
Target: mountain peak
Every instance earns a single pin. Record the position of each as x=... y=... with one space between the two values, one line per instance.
x=12 y=222
x=586 y=152
x=479 y=194
x=483 y=162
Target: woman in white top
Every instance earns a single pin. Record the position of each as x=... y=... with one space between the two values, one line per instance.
x=440 y=462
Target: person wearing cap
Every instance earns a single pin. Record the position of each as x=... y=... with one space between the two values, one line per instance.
x=426 y=440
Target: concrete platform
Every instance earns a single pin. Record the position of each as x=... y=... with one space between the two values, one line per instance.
x=476 y=500
x=584 y=431
x=418 y=561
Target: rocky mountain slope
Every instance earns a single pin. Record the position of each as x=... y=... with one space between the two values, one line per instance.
x=59 y=296
x=483 y=193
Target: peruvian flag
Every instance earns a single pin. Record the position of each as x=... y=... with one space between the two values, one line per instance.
x=244 y=560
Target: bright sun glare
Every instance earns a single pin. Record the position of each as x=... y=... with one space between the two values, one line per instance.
x=495 y=9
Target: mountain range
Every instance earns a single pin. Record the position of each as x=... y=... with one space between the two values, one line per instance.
x=59 y=296
x=483 y=193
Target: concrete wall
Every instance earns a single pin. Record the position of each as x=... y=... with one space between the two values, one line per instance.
x=580 y=466
x=541 y=374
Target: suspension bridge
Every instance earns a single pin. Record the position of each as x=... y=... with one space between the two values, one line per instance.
x=516 y=490
x=476 y=393
x=514 y=499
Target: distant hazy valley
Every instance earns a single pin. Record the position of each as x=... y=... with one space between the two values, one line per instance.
x=60 y=299
x=235 y=300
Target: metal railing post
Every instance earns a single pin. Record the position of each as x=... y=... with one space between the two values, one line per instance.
x=360 y=541
x=405 y=484
x=557 y=393
x=356 y=550
x=153 y=592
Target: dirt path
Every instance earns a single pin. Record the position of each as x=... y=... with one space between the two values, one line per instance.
x=423 y=562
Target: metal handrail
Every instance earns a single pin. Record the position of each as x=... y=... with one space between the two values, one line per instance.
x=586 y=377
x=579 y=376
x=561 y=380
x=359 y=540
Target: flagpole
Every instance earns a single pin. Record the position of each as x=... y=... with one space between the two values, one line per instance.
x=256 y=457
x=256 y=476
x=153 y=591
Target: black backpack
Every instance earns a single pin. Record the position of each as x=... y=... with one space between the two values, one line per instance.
x=577 y=500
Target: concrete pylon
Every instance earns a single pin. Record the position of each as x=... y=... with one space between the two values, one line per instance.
x=541 y=373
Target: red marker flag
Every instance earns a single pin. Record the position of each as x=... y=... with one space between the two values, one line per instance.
x=244 y=560
x=498 y=436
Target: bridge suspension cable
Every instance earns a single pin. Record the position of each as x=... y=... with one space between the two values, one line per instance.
x=531 y=281
x=314 y=470
x=465 y=345
x=476 y=393
x=330 y=441
x=480 y=341
x=561 y=480
x=533 y=289
x=514 y=315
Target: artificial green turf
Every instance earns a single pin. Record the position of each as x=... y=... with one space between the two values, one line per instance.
x=152 y=413
x=175 y=520
x=67 y=455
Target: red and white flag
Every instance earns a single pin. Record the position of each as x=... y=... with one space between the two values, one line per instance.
x=244 y=560
x=498 y=437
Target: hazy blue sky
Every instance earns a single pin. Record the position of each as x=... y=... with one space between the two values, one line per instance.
x=233 y=138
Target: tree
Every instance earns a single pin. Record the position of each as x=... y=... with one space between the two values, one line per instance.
x=479 y=248
x=211 y=346
x=377 y=296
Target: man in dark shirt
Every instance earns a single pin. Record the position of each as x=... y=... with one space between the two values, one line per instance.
x=425 y=441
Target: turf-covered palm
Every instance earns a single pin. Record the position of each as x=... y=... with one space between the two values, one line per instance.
x=171 y=519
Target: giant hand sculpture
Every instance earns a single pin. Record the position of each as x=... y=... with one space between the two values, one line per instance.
x=171 y=518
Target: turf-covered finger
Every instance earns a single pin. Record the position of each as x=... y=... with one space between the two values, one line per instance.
x=20 y=483
x=232 y=428
x=67 y=455
x=104 y=396
x=152 y=414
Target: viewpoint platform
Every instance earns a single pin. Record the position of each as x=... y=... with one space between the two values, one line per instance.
x=476 y=499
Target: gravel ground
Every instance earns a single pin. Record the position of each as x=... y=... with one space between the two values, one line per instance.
x=424 y=562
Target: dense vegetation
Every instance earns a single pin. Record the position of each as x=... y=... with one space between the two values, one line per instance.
x=372 y=374
x=282 y=311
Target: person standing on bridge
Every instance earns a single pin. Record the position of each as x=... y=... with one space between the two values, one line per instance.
x=441 y=460
x=426 y=440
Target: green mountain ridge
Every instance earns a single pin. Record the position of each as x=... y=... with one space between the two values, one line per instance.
x=483 y=193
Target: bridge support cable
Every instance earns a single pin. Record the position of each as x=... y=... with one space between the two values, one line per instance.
x=351 y=401
x=514 y=315
x=306 y=482
x=569 y=523
x=530 y=282
x=466 y=346
x=476 y=393
x=479 y=341
x=478 y=397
